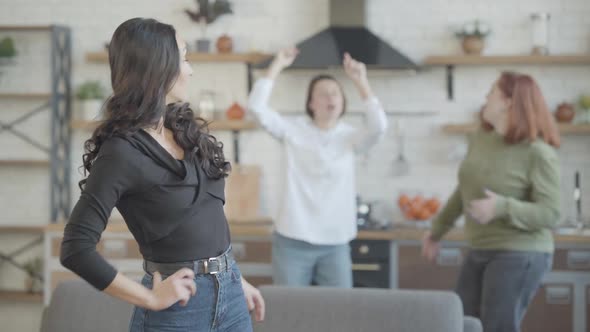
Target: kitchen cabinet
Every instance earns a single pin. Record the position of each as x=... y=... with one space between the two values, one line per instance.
x=252 y=251
x=415 y=272
x=551 y=310
x=567 y=259
x=254 y=257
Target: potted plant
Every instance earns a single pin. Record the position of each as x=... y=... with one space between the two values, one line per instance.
x=473 y=36
x=34 y=268
x=208 y=11
x=7 y=50
x=91 y=96
x=583 y=113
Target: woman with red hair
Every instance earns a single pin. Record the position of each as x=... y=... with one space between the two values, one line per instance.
x=509 y=193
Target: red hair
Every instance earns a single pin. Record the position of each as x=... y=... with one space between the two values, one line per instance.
x=528 y=117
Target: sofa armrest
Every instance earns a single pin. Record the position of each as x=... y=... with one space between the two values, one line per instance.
x=471 y=324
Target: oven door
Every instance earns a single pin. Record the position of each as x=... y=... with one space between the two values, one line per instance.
x=372 y=274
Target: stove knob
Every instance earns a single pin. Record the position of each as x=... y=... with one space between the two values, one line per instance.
x=364 y=249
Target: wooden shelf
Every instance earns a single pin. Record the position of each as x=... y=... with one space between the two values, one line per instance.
x=24 y=163
x=84 y=125
x=21 y=296
x=452 y=60
x=231 y=125
x=564 y=129
x=574 y=129
x=458 y=129
x=253 y=57
x=25 y=27
x=24 y=95
x=33 y=229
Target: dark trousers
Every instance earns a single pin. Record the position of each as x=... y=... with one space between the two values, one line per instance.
x=497 y=286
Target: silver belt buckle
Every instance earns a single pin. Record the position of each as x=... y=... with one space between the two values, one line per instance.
x=206 y=265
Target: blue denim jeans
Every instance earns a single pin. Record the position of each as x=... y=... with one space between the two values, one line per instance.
x=218 y=306
x=497 y=286
x=298 y=263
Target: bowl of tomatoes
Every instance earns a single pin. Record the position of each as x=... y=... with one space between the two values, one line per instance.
x=418 y=207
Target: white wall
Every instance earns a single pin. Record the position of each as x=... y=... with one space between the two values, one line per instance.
x=418 y=29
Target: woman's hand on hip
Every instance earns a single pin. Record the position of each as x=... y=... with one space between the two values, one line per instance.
x=483 y=210
x=178 y=287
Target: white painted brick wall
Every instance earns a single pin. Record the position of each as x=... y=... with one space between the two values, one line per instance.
x=418 y=29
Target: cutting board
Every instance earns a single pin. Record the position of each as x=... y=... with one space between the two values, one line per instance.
x=242 y=194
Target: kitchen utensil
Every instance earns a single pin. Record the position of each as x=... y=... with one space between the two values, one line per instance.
x=540 y=27
x=206 y=104
x=400 y=165
x=579 y=222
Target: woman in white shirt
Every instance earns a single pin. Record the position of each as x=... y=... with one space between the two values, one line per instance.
x=317 y=211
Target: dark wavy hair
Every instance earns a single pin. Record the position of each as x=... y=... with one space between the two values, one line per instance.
x=145 y=62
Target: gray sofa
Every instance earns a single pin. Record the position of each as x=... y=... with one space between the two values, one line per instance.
x=363 y=309
x=76 y=306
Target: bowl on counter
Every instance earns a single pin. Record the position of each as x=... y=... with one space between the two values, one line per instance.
x=416 y=209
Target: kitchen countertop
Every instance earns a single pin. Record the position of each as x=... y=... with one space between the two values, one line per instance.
x=263 y=228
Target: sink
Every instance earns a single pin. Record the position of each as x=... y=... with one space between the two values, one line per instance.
x=572 y=231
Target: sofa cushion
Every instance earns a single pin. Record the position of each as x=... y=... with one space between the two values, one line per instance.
x=360 y=309
x=77 y=306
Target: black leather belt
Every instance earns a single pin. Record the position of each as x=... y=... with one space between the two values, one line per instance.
x=212 y=265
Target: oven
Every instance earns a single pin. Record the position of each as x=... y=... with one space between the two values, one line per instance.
x=370 y=263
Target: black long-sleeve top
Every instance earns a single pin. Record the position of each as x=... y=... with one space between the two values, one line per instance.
x=174 y=211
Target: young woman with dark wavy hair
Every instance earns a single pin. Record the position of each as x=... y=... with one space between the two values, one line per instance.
x=152 y=160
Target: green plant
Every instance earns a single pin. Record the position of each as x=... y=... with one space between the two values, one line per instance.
x=90 y=90
x=34 y=267
x=209 y=11
x=7 y=49
x=585 y=102
x=473 y=29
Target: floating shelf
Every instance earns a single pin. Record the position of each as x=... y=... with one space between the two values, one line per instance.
x=450 y=61
x=24 y=163
x=25 y=27
x=33 y=229
x=19 y=95
x=228 y=125
x=564 y=129
x=20 y=296
x=253 y=57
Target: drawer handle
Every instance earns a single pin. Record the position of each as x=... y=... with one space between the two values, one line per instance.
x=364 y=249
x=449 y=257
x=366 y=267
x=578 y=259
x=558 y=295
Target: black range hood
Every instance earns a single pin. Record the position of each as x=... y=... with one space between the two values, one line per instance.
x=347 y=33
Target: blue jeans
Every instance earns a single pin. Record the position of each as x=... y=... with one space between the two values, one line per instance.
x=298 y=263
x=219 y=306
x=497 y=286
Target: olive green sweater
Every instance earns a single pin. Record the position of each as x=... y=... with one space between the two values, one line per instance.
x=526 y=177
